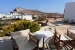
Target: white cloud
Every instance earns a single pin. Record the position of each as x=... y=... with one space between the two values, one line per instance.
x=4 y=10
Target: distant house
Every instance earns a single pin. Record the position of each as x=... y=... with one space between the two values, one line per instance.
x=1 y=15
x=69 y=11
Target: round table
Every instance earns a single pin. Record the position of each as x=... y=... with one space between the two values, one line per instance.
x=44 y=34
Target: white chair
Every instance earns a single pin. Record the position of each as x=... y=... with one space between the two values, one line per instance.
x=65 y=20
x=22 y=40
x=73 y=21
x=62 y=42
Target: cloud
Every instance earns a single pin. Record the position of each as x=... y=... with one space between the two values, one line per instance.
x=4 y=10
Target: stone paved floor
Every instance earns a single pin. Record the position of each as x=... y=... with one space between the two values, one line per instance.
x=6 y=44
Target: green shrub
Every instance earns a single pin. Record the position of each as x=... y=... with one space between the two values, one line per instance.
x=41 y=18
x=20 y=25
x=33 y=27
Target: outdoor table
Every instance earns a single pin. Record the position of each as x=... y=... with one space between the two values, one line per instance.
x=44 y=35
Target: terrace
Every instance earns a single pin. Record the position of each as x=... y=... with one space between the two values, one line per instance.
x=29 y=41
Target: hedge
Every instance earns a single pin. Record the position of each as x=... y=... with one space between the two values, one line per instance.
x=19 y=25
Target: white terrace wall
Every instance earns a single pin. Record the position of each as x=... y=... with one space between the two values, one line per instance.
x=69 y=12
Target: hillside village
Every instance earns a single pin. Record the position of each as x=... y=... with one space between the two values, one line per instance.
x=22 y=13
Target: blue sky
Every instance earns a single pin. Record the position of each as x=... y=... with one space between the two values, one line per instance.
x=42 y=5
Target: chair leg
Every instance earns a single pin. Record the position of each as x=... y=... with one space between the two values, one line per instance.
x=35 y=48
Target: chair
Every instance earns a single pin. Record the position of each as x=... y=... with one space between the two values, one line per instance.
x=73 y=21
x=34 y=40
x=65 y=20
x=72 y=36
x=20 y=40
x=61 y=43
x=69 y=34
x=47 y=21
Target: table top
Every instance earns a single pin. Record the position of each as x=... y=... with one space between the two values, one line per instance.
x=44 y=33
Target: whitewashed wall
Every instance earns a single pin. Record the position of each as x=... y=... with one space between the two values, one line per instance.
x=1 y=15
x=27 y=17
x=16 y=15
x=69 y=11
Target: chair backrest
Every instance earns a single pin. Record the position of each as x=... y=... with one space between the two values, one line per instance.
x=34 y=40
x=65 y=20
x=57 y=38
x=72 y=36
x=20 y=33
x=69 y=34
x=19 y=37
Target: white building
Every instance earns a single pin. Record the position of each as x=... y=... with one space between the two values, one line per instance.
x=1 y=15
x=22 y=14
x=15 y=16
x=69 y=11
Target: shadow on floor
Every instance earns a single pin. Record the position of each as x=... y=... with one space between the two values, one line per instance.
x=6 y=44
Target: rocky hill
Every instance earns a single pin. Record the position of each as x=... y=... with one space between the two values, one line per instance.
x=35 y=12
x=26 y=11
